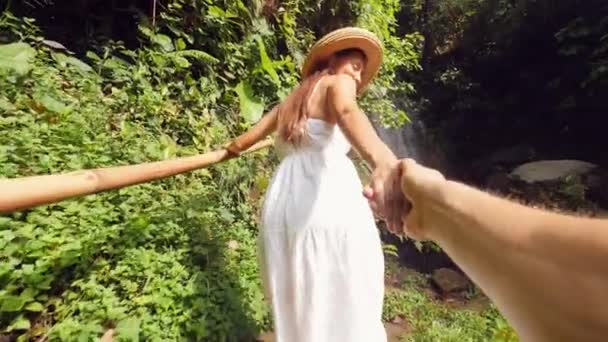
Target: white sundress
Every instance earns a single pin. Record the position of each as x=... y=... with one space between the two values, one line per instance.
x=320 y=252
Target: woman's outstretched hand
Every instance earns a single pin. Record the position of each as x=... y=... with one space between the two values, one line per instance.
x=386 y=198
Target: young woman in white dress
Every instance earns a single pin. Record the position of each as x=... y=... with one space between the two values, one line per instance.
x=320 y=253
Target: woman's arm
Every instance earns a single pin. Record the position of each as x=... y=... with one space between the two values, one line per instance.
x=259 y=131
x=342 y=102
x=382 y=191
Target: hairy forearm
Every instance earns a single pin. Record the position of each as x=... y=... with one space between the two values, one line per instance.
x=530 y=262
x=488 y=219
x=360 y=132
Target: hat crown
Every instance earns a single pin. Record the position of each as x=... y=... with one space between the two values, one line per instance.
x=343 y=39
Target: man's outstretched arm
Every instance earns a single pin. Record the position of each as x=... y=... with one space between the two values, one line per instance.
x=546 y=272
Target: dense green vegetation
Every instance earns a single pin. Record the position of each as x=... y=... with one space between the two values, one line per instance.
x=505 y=73
x=90 y=83
x=173 y=259
x=428 y=320
x=163 y=261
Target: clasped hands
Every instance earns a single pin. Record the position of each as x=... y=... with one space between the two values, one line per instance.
x=397 y=193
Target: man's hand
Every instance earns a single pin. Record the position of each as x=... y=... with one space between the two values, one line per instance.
x=421 y=187
x=385 y=196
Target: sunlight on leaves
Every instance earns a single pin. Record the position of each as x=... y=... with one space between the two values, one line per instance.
x=17 y=57
x=250 y=107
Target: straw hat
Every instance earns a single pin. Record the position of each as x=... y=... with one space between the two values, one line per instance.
x=342 y=39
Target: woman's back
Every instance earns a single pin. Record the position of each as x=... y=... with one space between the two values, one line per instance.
x=315 y=183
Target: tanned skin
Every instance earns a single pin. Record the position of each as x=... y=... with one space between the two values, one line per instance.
x=546 y=272
x=335 y=101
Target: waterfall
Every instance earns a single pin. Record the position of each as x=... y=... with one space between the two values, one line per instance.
x=412 y=140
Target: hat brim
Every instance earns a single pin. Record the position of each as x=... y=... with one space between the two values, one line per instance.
x=342 y=39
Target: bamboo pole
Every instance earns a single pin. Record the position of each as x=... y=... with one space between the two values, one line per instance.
x=23 y=193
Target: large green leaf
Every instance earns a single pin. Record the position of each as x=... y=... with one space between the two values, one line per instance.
x=216 y=12
x=181 y=62
x=65 y=60
x=128 y=329
x=267 y=64
x=197 y=54
x=17 y=57
x=20 y=323
x=51 y=104
x=180 y=44
x=145 y=31
x=34 y=307
x=164 y=41
x=6 y=105
x=251 y=108
x=11 y=303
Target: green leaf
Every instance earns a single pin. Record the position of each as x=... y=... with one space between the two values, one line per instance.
x=180 y=44
x=267 y=62
x=226 y=215
x=51 y=104
x=11 y=303
x=17 y=57
x=92 y=55
x=126 y=129
x=34 y=307
x=20 y=323
x=128 y=329
x=181 y=62
x=391 y=250
x=5 y=269
x=28 y=294
x=65 y=60
x=217 y=12
x=282 y=94
x=145 y=31
x=197 y=54
x=163 y=41
x=169 y=146
x=6 y=105
x=115 y=63
x=251 y=108
x=5 y=222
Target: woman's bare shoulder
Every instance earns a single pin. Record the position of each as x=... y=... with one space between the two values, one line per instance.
x=339 y=80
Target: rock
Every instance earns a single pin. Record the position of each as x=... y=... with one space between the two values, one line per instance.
x=551 y=170
x=499 y=160
x=562 y=184
x=591 y=180
x=449 y=281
